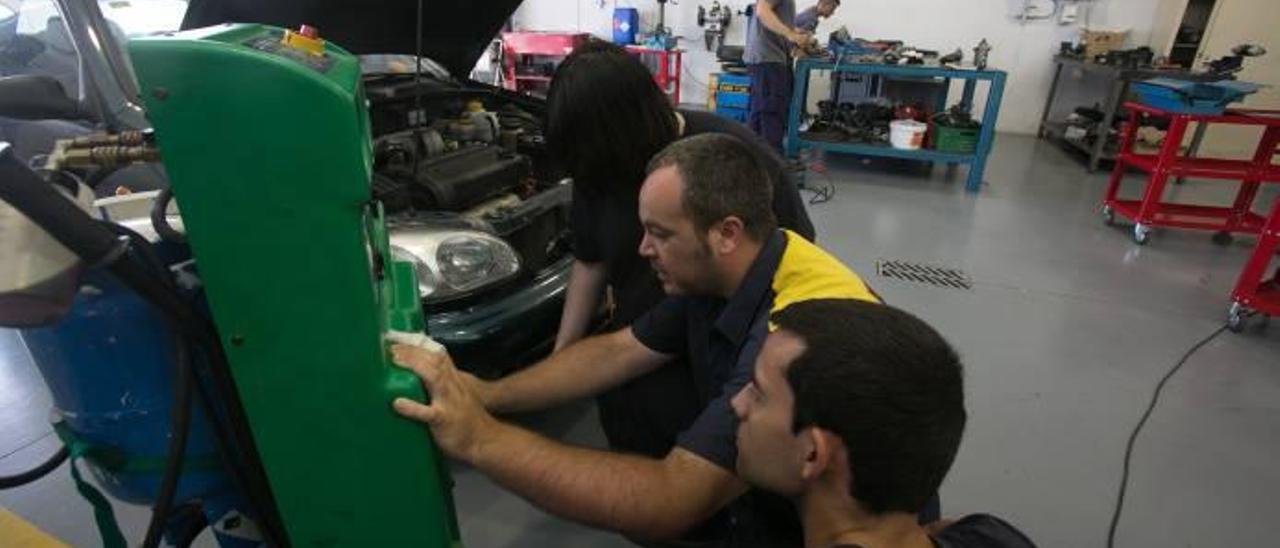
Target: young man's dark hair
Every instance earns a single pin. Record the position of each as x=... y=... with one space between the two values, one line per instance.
x=603 y=131
x=855 y=412
x=722 y=176
x=889 y=386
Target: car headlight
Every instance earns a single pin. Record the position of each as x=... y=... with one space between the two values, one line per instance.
x=452 y=263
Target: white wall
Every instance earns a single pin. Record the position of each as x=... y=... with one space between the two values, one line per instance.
x=1023 y=49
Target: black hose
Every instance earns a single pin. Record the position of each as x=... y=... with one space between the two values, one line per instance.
x=227 y=438
x=23 y=478
x=180 y=410
x=41 y=203
x=179 y=431
x=160 y=218
x=200 y=331
x=189 y=521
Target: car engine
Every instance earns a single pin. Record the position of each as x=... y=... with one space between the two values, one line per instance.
x=445 y=154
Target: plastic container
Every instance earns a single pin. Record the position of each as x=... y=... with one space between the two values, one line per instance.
x=1185 y=97
x=960 y=140
x=907 y=134
x=626 y=21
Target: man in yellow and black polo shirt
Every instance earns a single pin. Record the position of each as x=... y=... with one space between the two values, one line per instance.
x=711 y=236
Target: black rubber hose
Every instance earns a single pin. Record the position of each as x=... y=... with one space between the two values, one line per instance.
x=179 y=413
x=160 y=218
x=226 y=436
x=179 y=431
x=23 y=478
x=191 y=522
x=200 y=331
x=42 y=203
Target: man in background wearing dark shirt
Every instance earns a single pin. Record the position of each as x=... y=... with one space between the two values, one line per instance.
x=855 y=411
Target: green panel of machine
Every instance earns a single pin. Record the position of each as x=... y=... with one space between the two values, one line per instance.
x=268 y=150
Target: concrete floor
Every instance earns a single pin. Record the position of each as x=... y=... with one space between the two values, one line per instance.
x=1066 y=331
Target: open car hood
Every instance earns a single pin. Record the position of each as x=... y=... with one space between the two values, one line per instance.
x=454 y=32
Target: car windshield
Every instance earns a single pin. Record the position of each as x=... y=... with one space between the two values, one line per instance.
x=34 y=37
x=128 y=17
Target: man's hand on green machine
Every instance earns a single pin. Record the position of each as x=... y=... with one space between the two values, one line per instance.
x=456 y=415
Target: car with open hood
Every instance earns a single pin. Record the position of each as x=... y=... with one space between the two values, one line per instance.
x=461 y=167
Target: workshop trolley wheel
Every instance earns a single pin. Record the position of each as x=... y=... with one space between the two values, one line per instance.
x=1222 y=238
x=1108 y=215
x=1141 y=234
x=1239 y=316
x=1236 y=317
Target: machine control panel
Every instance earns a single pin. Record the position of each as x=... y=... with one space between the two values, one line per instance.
x=303 y=46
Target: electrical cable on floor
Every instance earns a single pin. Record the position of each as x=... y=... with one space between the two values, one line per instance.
x=40 y=471
x=820 y=194
x=1137 y=429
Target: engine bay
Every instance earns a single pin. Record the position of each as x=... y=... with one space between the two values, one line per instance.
x=447 y=154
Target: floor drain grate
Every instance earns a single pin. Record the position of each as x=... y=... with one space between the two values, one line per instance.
x=937 y=276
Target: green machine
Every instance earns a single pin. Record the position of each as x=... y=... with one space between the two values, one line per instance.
x=265 y=136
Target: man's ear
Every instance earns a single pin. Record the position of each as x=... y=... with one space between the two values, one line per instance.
x=826 y=456
x=727 y=235
x=817 y=450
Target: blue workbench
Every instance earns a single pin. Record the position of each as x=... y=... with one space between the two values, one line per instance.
x=977 y=161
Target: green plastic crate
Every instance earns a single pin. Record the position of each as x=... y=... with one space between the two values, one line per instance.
x=959 y=140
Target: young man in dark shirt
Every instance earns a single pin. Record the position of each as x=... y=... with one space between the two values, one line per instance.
x=855 y=411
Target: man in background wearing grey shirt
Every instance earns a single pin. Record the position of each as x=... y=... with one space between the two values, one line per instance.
x=807 y=20
x=770 y=37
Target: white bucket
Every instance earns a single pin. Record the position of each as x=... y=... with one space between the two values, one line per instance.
x=907 y=134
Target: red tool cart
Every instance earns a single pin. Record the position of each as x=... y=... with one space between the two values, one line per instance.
x=1253 y=293
x=665 y=64
x=1151 y=211
x=529 y=59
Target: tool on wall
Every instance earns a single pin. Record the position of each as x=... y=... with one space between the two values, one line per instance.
x=716 y=22
x=1231 y=64
x=981 y=53
x=953 y=58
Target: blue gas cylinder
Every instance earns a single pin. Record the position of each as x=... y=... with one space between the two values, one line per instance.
x=109 y=367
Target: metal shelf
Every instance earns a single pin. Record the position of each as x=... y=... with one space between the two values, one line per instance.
x=1058 y=130
x=873 y=149
x=977 y=160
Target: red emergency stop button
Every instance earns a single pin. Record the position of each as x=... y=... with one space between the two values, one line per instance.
x=306 y=38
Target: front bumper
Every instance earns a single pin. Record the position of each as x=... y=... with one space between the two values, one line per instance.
x=492 y=338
